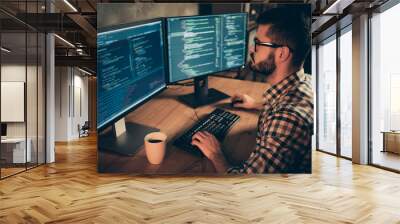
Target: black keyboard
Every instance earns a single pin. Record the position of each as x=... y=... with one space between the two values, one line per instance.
x=217 y=123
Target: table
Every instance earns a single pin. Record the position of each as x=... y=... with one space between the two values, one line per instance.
x=16 y=147
x=172 y=117
x=391 y=141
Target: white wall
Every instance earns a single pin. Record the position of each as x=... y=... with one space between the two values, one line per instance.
x=69 y=82
x=12 y=101
x=79 y=117
x=16 y=73
x=12 y=73
x=61 y=103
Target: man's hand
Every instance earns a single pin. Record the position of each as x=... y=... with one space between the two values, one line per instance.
x=207 y=143
x=245 y=101
x=211 y=148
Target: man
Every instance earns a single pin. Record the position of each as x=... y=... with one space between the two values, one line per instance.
x=285 y=125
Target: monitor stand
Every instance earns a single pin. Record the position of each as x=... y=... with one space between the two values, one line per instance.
x=202 y=95
x=125 y=138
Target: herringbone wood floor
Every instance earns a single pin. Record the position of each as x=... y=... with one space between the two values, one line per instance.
x=71 y=191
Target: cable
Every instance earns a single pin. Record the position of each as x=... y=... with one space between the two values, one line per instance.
x=180 y=85
x=189 y=83
x=195 y=113
x=173 y=87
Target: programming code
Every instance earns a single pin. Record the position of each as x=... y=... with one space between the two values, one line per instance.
x=205 y=44
x=130 y=68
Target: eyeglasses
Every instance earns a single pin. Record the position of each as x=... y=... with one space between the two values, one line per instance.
x=267 y=44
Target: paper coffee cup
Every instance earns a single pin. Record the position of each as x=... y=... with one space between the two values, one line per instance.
x=155 y=144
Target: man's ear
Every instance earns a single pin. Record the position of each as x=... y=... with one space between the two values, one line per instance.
x=284 y=54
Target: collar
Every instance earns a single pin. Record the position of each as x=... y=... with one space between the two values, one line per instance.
x=272 y=95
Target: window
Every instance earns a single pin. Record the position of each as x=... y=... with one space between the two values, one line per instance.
x=385 y=88
x=314 y=88
x=346 y=92
x=327 y=96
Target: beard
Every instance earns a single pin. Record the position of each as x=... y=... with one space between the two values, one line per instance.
x=266 y=67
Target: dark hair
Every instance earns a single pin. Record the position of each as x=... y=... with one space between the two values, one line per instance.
x=290 y=26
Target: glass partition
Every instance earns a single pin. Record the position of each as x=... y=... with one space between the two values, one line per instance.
x=13 y=94
x=31 y=98
x=22 y=88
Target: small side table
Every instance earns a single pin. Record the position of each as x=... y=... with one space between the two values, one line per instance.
x=391 y=141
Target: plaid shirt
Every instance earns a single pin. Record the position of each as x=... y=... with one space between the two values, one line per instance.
x=285 y=128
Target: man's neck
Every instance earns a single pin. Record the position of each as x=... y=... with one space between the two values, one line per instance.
x=280 y=74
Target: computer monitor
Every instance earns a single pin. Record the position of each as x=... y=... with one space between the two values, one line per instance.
x=130 y=64
x=3 y=130
x=202 y=45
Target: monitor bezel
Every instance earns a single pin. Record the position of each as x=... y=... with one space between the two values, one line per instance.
x=110 y=122
x=125 y=25
x=3 y=128
x=208 y=74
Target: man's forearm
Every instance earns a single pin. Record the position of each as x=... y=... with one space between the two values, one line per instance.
x=259 y=105
x=220 y=163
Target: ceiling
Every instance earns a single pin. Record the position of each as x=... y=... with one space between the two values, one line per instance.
x=76 y=25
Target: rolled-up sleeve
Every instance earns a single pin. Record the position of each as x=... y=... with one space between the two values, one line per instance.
x=284 y=137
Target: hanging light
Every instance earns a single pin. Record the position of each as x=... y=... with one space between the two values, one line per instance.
x=70 y=5
x=5 y=50
x=64 y=40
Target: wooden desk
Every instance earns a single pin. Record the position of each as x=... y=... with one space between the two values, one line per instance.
x=174 y=118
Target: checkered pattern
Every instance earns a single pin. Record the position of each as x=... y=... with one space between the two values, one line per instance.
x=285 y=128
